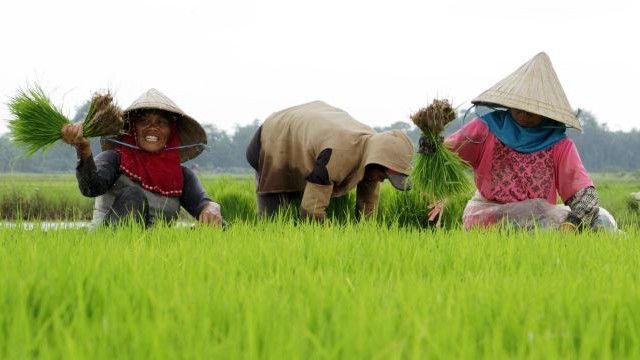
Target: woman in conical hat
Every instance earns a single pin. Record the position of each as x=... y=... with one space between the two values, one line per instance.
x=139 y=174
x=522 y=159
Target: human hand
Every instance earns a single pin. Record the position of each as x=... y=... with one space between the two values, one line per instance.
x=210 y=214
x=428 y=146
x=72 y=135
x=436 y=210
x=568 y=227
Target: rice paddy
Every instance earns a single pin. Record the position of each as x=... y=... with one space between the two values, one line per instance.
x=389 y=288
x=56 y=197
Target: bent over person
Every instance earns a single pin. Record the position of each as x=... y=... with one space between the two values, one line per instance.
x=316 y=151
x=522 y=158
x=138 y=175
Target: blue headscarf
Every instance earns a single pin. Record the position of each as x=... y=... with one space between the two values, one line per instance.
x=522 y=139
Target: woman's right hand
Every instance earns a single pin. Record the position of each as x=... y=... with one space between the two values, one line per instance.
x=211 y=215
x=427 y=146
x=72 y=135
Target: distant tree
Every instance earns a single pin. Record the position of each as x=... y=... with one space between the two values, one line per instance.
x=599 y=148
x=604 y=150
x=227 y=153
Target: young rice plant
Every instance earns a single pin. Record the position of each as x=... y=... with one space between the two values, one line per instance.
x=37 y=123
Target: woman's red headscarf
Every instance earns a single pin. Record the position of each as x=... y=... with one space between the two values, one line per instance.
x=158 y=172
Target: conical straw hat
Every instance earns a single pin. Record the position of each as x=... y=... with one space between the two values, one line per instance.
x=189 y=129
x=535 y=88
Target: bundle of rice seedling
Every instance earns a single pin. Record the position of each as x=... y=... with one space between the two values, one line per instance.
x=413 y=208
x=103 y=118
x=437 y=172
x=37 y=123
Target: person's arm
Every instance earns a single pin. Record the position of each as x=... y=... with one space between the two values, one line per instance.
x=367 y=194
x=97 y=175
x=584 y=206
x=317 y=192
x=72 y=135
x=575 y=186
x=196 y=201
x=468 y=142
x=253 y=150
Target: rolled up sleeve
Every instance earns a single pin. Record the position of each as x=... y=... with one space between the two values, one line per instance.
x=315 y=200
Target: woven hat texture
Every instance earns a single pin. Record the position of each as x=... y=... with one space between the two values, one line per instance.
x=189 y=129
x=533 y=87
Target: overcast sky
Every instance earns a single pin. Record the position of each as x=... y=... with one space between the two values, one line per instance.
x=229 y=62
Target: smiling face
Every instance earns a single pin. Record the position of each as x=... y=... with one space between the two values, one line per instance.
x=152 y=131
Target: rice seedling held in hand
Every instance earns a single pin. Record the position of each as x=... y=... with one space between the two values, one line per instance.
x=437 y=172
x=37 y=123
x=103 y=118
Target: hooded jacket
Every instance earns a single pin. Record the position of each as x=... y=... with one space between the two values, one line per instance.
x=292 y=139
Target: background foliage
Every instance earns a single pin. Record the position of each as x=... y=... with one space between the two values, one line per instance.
x=601 y=150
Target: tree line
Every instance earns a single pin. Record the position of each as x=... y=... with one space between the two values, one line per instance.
x=601 y=149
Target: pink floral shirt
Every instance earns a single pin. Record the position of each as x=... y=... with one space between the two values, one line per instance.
x=504 y=175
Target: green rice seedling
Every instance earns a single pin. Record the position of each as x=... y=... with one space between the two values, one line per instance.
x=235 y=196
x=410 y=209
x=406 y=208
x=438 y=172
x=282 y=289
x=37 y=123
x=56 y=197
x=633 y=205
x=342 y=209
x=46 y=197
x=237 y=205
x=35 y=204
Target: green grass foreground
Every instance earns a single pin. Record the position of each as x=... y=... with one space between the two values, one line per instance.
x=280 y=290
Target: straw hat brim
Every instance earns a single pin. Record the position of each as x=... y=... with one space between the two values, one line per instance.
x=534 y=87
x=512 y=101
x=399 y=181
x=189 y=130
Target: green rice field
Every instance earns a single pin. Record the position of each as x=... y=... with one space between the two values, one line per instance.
x=395 y=287
x=56 y=197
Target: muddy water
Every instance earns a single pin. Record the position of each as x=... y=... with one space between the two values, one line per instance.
x=62 y=225
x=45 y=225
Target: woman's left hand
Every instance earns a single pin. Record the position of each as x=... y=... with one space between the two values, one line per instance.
x=568 y=227
x=427 y=146
x=210 y=214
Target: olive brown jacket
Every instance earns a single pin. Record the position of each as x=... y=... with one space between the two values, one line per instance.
x=292 y=139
